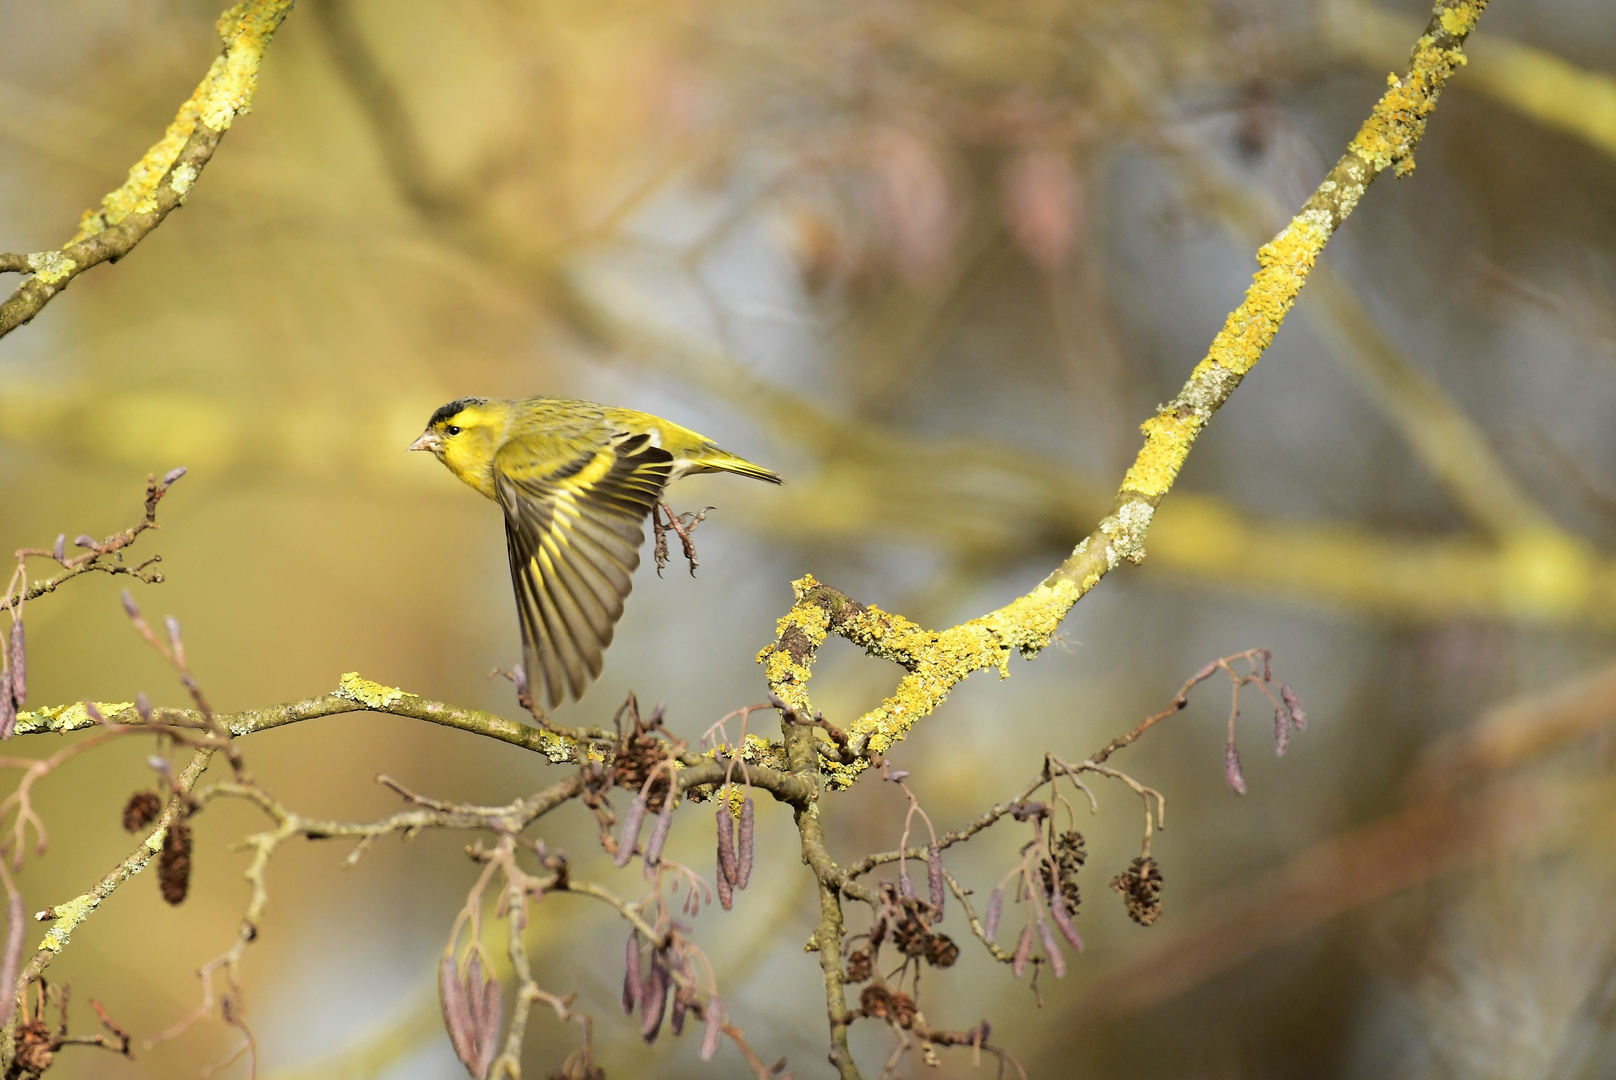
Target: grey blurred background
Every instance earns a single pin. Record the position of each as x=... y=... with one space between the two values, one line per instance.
x=934 y=263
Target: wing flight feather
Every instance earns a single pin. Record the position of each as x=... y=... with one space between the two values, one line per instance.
x=574 y=523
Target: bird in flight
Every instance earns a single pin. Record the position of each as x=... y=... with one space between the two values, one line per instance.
x=576 y=481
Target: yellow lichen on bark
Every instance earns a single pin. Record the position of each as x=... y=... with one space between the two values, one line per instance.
x=362 y=690
x=1534 y=82
x=1168 y=438
x=223 y=94
x=788 y=664
x=1388 y=137
x=938 y=660
x=64 y=718
x=891 y=637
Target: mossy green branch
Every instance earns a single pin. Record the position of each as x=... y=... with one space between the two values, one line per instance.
x=938 y=660
x=162 y=178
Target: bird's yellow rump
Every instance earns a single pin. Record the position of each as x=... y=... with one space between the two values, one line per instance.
x=577 y=481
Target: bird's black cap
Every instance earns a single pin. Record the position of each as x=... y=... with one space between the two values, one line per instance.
x=449 y=410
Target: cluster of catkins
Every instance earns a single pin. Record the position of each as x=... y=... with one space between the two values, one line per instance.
x=669 y=972
x=1288 y=717
x=734 y=853
x=1057 y=880
x=472 y=1005
x=636 y=818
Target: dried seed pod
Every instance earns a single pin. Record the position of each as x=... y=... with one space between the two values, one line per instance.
x=910 y=936
x=728 y=870
x=1141 y=886
x=941 y=951
x=860 y=965
x=1018 y=962
x=1231 y=769
x=631 y=830
x=934 y=880
x=713 y=1028
x=1060 y=875
x=903 y=1008
x=876 y=1000
x=141 y=810
x=631 y=974
x=743 y=853
x=19 y=664
x=174 y=864
x=654 y=1001
x=173 y=474
x=1051 y=949
x=995 y=909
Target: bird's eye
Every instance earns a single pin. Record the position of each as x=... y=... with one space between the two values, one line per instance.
x=451 y=430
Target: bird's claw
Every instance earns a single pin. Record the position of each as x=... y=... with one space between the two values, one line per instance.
x=682 y=525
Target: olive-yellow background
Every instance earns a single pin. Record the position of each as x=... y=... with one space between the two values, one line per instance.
x=933 y=262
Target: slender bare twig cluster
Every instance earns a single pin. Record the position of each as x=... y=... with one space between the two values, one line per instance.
x=636 y=767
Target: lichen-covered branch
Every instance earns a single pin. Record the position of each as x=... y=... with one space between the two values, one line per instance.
x=353 y=694
x=803 y=755
x=1450 y=444
x=160 y=181
x=1535 y=83
x=938 y=660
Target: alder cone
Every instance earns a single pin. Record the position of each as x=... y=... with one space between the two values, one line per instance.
x=141 y=810
x=1141 y=886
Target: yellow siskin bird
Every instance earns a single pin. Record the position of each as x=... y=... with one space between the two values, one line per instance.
x=577 y=481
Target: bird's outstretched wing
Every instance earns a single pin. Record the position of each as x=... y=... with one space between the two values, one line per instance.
x=574 y=523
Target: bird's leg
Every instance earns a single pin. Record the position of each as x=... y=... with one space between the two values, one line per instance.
x=660 y=554
x=681 y=525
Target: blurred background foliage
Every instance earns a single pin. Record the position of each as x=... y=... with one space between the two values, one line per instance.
x=933 y=262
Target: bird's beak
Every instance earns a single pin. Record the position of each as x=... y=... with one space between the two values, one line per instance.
x=429 y=441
